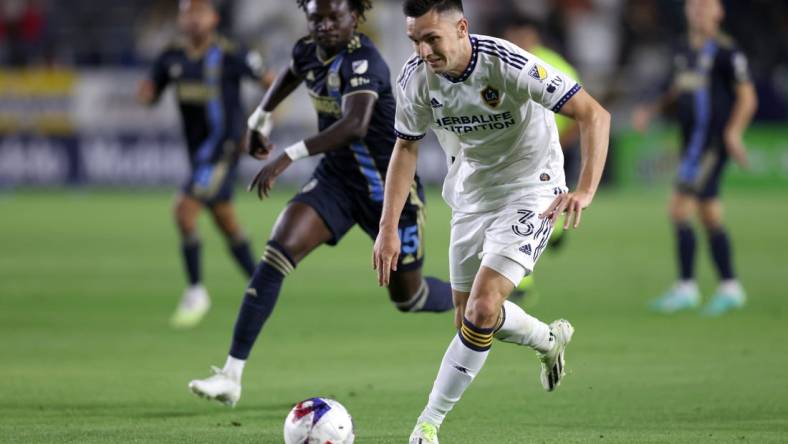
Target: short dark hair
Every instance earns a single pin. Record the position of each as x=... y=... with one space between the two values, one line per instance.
x=417 y=8
x=360 y=6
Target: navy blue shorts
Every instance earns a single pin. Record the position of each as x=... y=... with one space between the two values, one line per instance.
x=703 y=178
x=341 y=207
x=212 y=183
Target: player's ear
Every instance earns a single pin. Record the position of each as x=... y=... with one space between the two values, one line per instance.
x=462 y=28
x=354 y=16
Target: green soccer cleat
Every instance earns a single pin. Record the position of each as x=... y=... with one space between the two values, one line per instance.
x=728 y=297
x=192 y=308
x=424 y=433
x=681 y=296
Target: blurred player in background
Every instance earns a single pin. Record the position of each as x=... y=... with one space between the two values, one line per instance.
x=349 y=84
x=526 y=33
x=206 y=70
x=715 y=101
x=491 y=105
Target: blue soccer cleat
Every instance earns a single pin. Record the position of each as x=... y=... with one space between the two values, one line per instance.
x=682 y=296
x=729 y=296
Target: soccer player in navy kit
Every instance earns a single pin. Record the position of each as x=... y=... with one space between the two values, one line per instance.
x=349 y=84
x=206 y=71
x=715 y=101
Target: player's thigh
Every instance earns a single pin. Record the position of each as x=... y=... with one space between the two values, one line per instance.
x=299 y=229
x=186 y=209
x=466 y=245
x=681 y=206
x=711 y=213
x=410 y=227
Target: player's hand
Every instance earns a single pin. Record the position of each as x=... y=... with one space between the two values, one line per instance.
x=146 y=93
x=265 y=178
x=641 y=119
x=257 y=145
x=385 y=255
x=735 y=147
x=572 y=203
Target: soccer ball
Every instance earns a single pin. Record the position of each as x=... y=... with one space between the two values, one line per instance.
x=319 y=421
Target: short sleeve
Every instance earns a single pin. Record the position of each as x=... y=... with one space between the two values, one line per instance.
x=159 y=73
x=545 y=84
x=250 y=63
x=739 y=66
x=364 y=70
x=298 y=57
x=413 y=115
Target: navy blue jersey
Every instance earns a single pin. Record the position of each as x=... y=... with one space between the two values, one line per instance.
x=706 y=80
x=358 y=68
x=208 y=90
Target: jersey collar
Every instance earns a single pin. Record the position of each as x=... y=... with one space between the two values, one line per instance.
x=471 y=65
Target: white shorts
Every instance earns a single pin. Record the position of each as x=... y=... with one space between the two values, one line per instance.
x=509 y=240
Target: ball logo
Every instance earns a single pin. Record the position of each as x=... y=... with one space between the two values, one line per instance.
x=360 y=66
x=491 y=96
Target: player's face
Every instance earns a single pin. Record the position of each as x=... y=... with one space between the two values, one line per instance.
x=439 y=39
x=331 y=23
x=703 y=15
x=197 y=18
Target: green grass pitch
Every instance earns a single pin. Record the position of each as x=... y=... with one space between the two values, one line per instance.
x=88 y=281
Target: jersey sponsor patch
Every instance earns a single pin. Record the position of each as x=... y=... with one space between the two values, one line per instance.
x=491 y=96
x=555 y=82
x=360 y=66
x=435 y=104
x=538 y=73
x=357 y=81
x=333 y=80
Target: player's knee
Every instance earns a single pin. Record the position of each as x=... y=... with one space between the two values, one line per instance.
x=185 y=218
x=408 y=295
x=711 y=219
x=482 y=311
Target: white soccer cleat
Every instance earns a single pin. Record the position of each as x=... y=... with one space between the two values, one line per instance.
x=192 y=307
x=424 y=433
x=553 y=363
x=220 y=387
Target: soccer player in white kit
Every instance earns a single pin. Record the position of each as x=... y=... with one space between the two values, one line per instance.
x=491 y=105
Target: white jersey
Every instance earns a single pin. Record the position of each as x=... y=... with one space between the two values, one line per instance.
x=495 y=122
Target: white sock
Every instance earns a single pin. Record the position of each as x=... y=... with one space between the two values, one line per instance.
x=234 y=368
x=730 y=286
x=687 y=286
x=521 y=328
x=459 y=366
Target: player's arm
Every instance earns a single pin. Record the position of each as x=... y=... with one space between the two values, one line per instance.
x=149 y=89
x=260 y=123
x=353 y=125
x=401 y=171
x=644 y=113
x=744 y=107
x=593 y=122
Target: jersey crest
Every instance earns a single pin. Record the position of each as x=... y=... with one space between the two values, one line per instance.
x=538 y=72
x=491 y=96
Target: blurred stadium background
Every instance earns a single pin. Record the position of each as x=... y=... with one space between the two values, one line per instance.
x=89 y=268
